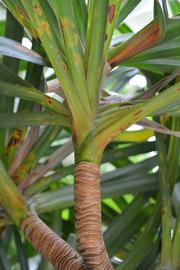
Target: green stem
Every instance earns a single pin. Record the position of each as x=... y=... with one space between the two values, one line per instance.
x=173 y=152
x=166 y=249
x=176 y=245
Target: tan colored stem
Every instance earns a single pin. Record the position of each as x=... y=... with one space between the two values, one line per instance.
x=88 y=217
x=50 y=245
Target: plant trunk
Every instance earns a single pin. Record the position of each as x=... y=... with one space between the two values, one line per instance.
x=88 y=217
x=50 y=245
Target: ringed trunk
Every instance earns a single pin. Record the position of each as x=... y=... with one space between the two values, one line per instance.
x=88 y=216
x=50 y=245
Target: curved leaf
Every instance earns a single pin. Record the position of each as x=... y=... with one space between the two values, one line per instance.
x=14 y=49
x=32 y=94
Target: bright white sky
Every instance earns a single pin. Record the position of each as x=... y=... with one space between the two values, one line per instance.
x=141 y=15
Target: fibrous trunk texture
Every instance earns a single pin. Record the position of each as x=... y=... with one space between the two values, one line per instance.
x=50 y=245
x=88 y=217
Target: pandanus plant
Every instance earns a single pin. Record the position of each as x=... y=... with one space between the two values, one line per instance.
x=76 y=38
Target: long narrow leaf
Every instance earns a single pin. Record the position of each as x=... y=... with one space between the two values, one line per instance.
x=52 y=162
x=141 y=41
x=20 y=250
x=18 y=120
x=94 y=58
x=14 y=49
x=33 y=95
x=63 y=197
x=31 y=160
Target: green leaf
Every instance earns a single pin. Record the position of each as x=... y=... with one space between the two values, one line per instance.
x=166 y=211
x=53 y=160
x=175 y=6
x=11 y=199
x=29 y=119
x=143 y=40
x=20 y=250
x=80 y=11
x=173 y=153
x=129 y=170
x=151 y=255
x=44 y=182
x=33 y=95
x=31 y=160
x=74 y=54
x=135 y=149
x=123 y=221
x=113 y=12
x=126 y=8
x=114 y=121
x=94 y=58
x=18 y=11
x=63 y=197
x=4 y=264
x=7 y=75
x=132 y=231
x=75 y=104
x=144 y=242
x=53 y=22
x=176 y=247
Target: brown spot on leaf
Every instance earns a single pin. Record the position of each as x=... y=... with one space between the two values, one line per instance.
x=49 y=100
x=35 y=6
x=111 y=13
x=24 y=168
x=64 y=66
x=17 y=178
x=15 y=138
x=64 y=22
x=163 y=211
x=178 y=89
x=45 y=26
x=137 y=113
x=30 y=156
x=22 y=12
x=37 y=9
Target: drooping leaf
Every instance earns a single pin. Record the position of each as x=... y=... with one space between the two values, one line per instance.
x=33 y=95
x=14 y=49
